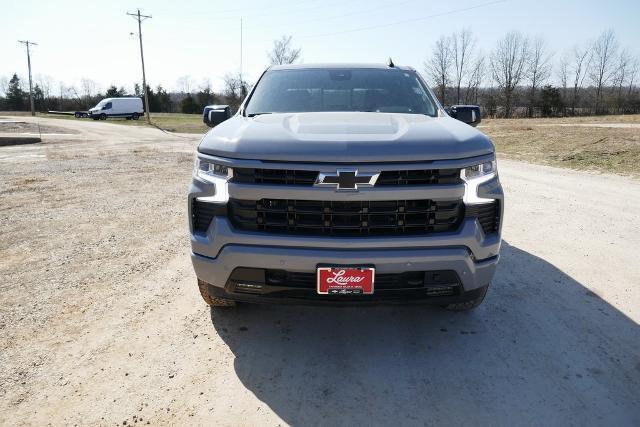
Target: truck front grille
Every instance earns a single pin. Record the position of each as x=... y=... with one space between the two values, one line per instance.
x=352 y=218
x=274 y=176
x=308 y=178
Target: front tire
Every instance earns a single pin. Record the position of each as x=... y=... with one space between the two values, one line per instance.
x=103 y=116
x=212 y=300
x=469 y=304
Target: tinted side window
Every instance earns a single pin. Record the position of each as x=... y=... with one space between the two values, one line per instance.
x=107 y=106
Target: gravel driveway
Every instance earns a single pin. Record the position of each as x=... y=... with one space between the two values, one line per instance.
x=101 y=321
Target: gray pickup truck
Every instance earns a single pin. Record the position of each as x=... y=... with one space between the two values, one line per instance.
x=344 y=184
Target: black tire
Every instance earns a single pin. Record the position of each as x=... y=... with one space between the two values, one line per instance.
x=135 y=116
x=103 y=116
x=78 y=115
x=210 y=299
x=469 y=304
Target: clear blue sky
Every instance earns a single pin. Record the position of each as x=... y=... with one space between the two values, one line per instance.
x=202 y=38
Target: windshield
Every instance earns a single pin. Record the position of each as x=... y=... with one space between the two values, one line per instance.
x=314 y=90
x=100 y=104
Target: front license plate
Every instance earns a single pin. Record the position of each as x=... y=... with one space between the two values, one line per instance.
x=345 y=280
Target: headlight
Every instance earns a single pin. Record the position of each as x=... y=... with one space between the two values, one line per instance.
x=209 y=171
x=475 y=175
x=477 y=171
x=216 y=174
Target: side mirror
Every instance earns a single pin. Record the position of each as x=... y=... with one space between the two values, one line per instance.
x=469 y=114
x=213 y=115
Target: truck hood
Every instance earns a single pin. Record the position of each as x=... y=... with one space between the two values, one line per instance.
x=344 y=137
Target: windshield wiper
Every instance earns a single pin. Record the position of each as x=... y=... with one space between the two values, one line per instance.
x=257 y=114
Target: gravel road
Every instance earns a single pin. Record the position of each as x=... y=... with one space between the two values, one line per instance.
x=101 y=321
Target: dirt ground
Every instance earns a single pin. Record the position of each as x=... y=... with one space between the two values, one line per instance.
x=101 y=321
x=14 y=125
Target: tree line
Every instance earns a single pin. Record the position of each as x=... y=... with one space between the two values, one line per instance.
x=14 y=96
x=72 y=98
x=519 y=77
x=522 y=77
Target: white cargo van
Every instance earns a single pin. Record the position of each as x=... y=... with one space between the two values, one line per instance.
x=129 y=107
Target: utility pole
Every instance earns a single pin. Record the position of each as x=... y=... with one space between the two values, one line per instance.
x=138 y=17
x=241 y=51
x=27 y=43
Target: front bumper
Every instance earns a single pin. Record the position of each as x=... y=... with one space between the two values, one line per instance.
x=216 y=271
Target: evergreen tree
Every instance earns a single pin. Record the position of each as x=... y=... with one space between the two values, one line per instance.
x=188 y=105
x=38 y=98
x=164 y=99
x=114 y=92
x=551 y=101
x=15 y=95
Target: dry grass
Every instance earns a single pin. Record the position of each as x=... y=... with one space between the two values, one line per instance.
x=547 y=141
x=603 y=149
x=171 y=122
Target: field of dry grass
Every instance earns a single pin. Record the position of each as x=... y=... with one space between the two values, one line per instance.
x=602 y=143
x=576 y=143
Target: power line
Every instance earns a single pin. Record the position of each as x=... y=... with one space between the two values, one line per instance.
x=360 y=11
x=139 y=17
x=28 y=43
x=406 y=21
x=260 y=12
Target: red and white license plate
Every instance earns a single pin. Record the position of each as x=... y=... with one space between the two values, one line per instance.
x=345 y=280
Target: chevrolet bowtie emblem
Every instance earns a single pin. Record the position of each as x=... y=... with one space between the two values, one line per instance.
x=347 y=179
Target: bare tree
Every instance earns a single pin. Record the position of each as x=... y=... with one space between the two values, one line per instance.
x=475 y=80
x=509 y=63
x=462 y=45
x=46 y=84
x=579 y=66
x=438 y=67
x=563 y=72
x=539 y=69
x=624 y=63
x=633 y=71
x=205 y=84
x=235 y=89
x=4 y=85
x=184 y=84
x=563 y=76
x=282 y=52
x=603 y=66
x=89 y=88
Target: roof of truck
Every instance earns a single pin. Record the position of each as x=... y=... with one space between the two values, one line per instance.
x=339 y=66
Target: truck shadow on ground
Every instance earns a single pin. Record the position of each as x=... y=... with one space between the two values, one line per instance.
x=542 y=349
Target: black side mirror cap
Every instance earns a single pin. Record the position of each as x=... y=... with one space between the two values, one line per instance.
x=469 y=114
x=213 y=115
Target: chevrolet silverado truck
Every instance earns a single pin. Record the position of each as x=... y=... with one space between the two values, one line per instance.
x=344 y=184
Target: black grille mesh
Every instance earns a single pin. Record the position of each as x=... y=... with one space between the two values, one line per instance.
x=307 y=178
x=274 y=176
x=488 y=215
x=446 y=279
x=353 y=218
x=202 y=214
